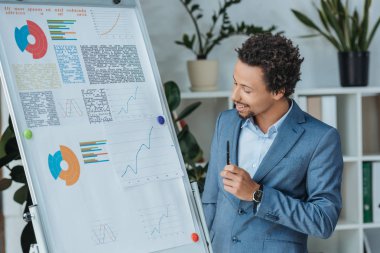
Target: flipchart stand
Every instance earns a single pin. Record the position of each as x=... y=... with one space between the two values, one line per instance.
x=197 y=199
x=90 y=206
x=33 y=216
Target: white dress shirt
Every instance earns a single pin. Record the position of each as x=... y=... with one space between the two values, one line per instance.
x=254 y=144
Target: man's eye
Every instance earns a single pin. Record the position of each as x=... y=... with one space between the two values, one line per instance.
x=247 y=90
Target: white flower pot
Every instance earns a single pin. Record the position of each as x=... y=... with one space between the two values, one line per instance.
x=203 y=74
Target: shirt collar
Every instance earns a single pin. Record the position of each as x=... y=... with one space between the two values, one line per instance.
x=250 y=123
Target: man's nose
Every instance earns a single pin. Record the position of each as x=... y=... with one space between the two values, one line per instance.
x=235 y=95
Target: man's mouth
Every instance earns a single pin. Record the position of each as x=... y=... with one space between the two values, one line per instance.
x=240 y=107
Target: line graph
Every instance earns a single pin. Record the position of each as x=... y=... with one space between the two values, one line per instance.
x=125 y=109
x=142 y=151
x=70 y=108
x=110 y=26
x=161 y=222
x=103 y=233
x=157 y=229
x=113 y=26
x=129 y=103
x=129 y=167
x=164 y=215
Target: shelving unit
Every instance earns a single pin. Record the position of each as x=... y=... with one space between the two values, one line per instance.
x=352 y=125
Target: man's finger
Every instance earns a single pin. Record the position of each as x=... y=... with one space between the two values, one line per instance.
x=228 y=182
x=228 y=175
x=228 y=188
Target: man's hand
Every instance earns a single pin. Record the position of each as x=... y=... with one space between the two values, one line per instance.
x=238 y=182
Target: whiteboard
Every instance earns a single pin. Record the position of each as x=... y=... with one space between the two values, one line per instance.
x=101 y=157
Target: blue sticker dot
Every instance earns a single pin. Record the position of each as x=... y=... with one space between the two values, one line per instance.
x=161 y=120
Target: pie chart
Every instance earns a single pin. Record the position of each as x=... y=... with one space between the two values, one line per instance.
x=71 y=174
x=39 y=48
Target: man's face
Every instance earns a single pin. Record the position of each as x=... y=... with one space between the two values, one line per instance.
x=250 y=93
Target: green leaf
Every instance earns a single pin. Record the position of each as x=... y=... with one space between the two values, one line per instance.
x=5 y=183
x=329 y=9
x=9 y=158
x=214 y=18
x=186 y=39
x=10 y=125
x=194 y=7
x=342 y=17
x=364 y=26
x=188 y=110
x=190 y=149
x=305 y=20
x=18 y=174
x=191 y=175
x=327 y=16
x=11 y=146
x=355 y=30
x=310 y=36
x=182 y=132
x=323 y=18
x=27 y=237
x=192 y=40
x=173 y=94
x=178 y=42
x=372 y=34
x=21 y=195
x=8 y=134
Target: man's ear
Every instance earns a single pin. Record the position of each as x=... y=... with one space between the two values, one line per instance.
x=277 y=95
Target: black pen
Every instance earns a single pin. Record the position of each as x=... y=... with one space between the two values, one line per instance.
x=228 y=153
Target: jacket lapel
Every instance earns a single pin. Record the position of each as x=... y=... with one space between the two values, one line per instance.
x=288 y=134
x=234 y=143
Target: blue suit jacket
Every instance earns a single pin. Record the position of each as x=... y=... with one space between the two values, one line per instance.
x=301 y=174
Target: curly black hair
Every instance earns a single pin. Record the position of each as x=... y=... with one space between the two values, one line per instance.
x=276 y=55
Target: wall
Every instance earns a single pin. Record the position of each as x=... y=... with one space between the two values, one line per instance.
x=167 y=20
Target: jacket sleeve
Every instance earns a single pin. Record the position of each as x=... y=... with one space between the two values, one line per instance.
x=210 y=194
x=318 y=214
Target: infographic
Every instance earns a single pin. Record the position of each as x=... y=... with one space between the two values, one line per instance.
x=102 y=151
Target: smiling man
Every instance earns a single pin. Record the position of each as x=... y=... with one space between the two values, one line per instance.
x=283 y=177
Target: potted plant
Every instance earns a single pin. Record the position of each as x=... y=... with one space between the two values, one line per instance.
x=202 y=72
x=349 y=33
x=191 y=151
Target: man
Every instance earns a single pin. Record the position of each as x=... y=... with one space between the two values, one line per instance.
x=279 y=181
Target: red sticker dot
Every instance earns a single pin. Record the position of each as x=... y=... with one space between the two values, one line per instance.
x=195 y=237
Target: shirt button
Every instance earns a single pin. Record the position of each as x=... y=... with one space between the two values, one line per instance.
x=253 y=165
x=235 y=239
x=241 y=211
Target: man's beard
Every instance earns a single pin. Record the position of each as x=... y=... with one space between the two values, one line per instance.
x=250 y=115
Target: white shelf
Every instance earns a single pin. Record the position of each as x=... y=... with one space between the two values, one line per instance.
x=348 y=159
x=346 y=226
x=373 y=158
x=206 y=94
x=371 y=225
x=337 y=91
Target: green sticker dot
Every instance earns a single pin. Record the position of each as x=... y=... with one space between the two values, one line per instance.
x=28 y=134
